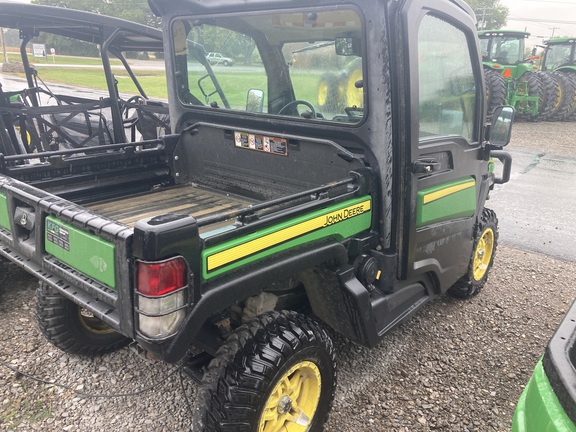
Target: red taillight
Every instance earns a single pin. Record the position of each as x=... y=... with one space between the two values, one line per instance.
x=160 y=278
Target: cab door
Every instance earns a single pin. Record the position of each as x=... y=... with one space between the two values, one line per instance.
x=446 y=171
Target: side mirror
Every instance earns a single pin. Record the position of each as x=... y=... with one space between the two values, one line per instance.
x=255 y=101
x=348 y=46
x=501 y=128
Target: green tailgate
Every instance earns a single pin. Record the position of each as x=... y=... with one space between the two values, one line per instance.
x=4 y=219
x=538 y=409
x=83 y=251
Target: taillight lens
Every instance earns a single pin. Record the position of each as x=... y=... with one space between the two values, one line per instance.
x=159 y=278
x=162 y=293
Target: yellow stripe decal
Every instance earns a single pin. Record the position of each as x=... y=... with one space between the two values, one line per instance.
x=253 y=246
x=428 y=198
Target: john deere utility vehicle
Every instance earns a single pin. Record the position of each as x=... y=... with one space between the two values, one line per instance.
x=548 y=403
x=264 y=219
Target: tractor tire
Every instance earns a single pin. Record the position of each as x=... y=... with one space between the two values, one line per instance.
x=552 y=95
x=354 y=96
x=328 y=95
x=3 y=273
x=484 y=250
x=568 y=100
x=275 y=373
x=66 y=325
x=535 y=88
x=495 y=90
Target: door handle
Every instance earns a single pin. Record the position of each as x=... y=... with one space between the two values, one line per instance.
x=425 y=166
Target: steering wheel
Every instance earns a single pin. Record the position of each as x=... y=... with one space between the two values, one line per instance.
x=295 y=103
x=130 y=121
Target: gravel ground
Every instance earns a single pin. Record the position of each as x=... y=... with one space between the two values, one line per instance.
x=455 y=366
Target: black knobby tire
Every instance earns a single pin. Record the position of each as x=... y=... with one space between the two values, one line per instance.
x=495 y=89
x=3 y=273
x=483 y=252
x=240 y=387
x=552 y=95
x=327 y=94
x=63 y=324
x=568 y=100
x=535 y=87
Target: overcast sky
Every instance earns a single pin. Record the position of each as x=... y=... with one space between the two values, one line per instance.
x=542 y=18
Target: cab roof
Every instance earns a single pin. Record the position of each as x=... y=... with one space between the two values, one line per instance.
x=507 y=33
x=564 y=40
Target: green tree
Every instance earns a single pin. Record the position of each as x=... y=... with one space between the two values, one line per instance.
x=491 y=14
x=130 y=10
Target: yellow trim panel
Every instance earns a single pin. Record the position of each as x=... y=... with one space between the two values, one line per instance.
x=266 y=241
x=433 y=196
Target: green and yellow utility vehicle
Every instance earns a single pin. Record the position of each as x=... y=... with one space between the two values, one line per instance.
x=548 y=403
x=263 y=220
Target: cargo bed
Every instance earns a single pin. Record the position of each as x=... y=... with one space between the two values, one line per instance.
x=189 y=199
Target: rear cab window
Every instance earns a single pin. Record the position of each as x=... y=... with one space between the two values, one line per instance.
x=307 y=64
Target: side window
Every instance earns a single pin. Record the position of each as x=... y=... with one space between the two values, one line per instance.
x=447 y=89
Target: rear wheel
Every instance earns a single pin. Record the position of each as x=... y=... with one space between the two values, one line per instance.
x=495 y=89
x=328 y=98
x=274 y=374
x=72 y=328
x=535 y=88
x=568 y=96
x=3 y=273
x=552 y=95
x=485 y=242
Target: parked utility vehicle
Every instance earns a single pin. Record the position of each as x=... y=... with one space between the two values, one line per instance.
x=548 y=402
x=34 y=117
x=262 y=219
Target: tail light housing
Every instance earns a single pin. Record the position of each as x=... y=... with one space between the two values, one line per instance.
x=162 y=292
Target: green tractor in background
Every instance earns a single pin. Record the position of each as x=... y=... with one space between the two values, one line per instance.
x=559 y=59
x=342 y=90
x=512 y=77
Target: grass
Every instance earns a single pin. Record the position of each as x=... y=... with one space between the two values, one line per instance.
x=63 y=60
x=154 y=81
x=25 y=412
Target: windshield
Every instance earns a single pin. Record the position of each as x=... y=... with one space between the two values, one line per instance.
x=557 y=55
x=505 y=50
x=306 y=65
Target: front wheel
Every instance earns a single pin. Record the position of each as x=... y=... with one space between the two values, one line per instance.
x=72 y=328
x=274 y=374
x=485 y=242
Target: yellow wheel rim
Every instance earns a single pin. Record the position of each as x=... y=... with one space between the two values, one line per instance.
x=483 y=254
x=354 y=96
x=293 y=401
x=558 y=99
x=322 y=93
x=92 y=324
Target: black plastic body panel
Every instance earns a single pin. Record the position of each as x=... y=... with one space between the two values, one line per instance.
x=560 y=363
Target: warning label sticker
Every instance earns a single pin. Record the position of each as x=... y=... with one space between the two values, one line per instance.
x=262 y=143
x=58 y=235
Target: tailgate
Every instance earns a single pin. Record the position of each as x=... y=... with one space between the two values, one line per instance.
x=78 y=252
